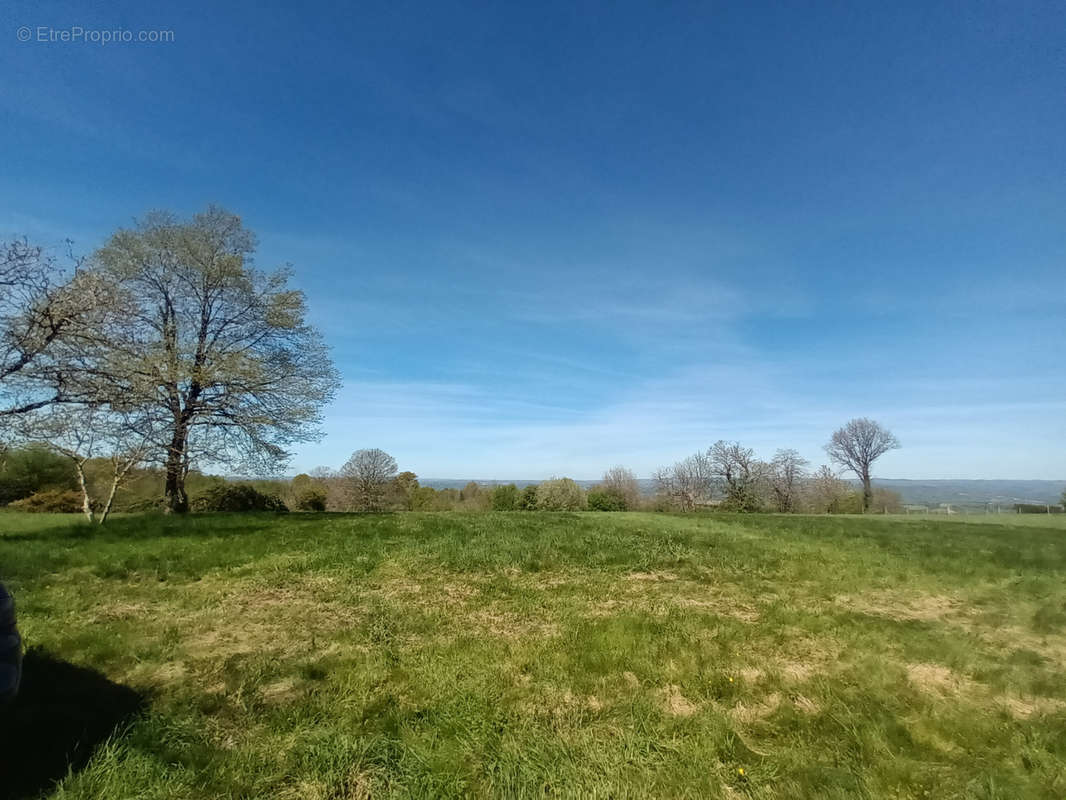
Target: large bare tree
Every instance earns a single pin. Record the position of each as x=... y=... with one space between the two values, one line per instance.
x=218 y=352
x=826 y=492
x=687 y=483
x=622 y=482
x=787 y=473
x=856 y=446
x=739 y=472
x=367 y=474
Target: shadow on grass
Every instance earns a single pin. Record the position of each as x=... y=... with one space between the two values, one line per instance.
x=62 y=714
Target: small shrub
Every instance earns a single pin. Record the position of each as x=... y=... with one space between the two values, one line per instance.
x=743 y=499
x=505 y=498
x=423 y=498
x=601 y=499
x=52 y=501
x=237 y=497
x=560 y=494
x=527 y=500
x=311 y=500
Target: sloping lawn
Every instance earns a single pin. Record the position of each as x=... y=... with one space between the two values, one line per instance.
x=533 y=655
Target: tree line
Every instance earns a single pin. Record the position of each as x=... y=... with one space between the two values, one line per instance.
x=727 y=476
x=730 y=476
x=168 y=352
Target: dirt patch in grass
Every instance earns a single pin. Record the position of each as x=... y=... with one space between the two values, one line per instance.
x=157 y=675
x=430 y=592
x=749 y=711
x=675 y=703
x=755 y=709
x=281 y=691
x=665 y=594
x=721 y=605
x=558 y=703
x=1024 y=707
x=247 y=618
x=507 y=624
x=653 y=577
x=920 y=608
x=942 y=682
x=952 y=611
x=805 y=704
x=809 y=657
x=937 y=679
x=111 y=612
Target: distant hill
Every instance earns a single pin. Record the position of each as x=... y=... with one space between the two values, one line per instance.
x=963 y=493
x=974 y=492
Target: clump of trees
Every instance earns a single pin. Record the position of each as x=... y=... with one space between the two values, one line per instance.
x=167 y=347
x=505 y=498
x=729 y=477
x=688 y=484
x=560 y=494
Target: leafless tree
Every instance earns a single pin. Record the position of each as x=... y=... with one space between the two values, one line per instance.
x=787 y=472
x=84 y=433
x=739 y=472
x=334 y=485
x=367 y=474
x=856 y=446
x=826 y=491
x=216 y=349
x=687 y=483
x=623 y=483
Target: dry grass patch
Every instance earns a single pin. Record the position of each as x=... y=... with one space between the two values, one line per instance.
x=1024 y=707
x=902 y=608
x=747 y=712
x=507 y=624
x=939 y=680
x=664 y=594
x=944 y=683
x=675 y=703
x=282 y=691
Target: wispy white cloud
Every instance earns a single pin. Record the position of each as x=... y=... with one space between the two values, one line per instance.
x=466 y=431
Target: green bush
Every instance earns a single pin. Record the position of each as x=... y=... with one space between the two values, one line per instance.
x=505 y=498
x=28 y=470
x=311 y=500
x=741 y=498
x=237 y=497
x=424 y=498
x=600 y=499
x=52 y=501
x=527 y=500
x=560 y=494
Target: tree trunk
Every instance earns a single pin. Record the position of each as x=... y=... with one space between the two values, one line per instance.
x=177 y=501
x=110 y=499
x=867 y=492
x=86 y=503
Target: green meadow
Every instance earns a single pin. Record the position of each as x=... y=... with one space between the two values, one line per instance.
x=550 y=655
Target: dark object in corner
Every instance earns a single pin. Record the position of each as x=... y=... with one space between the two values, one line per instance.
x=10 y=649
x=61 y=715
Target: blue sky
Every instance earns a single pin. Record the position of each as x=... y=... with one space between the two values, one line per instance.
x=547 y=238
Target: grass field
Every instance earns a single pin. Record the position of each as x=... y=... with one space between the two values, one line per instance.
x=533 y=655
